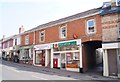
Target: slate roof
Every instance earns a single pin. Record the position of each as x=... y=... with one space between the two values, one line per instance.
x=89 y=12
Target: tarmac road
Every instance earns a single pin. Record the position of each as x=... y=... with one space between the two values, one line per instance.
x=16 y=71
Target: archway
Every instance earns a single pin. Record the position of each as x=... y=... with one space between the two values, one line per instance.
x=92 y=56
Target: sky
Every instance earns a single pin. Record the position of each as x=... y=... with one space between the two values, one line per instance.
x=32 y=13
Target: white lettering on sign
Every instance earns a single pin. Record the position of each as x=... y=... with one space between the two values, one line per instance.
x=42 y=47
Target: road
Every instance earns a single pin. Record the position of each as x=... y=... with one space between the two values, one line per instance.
x=16 y=71
x=24 y=73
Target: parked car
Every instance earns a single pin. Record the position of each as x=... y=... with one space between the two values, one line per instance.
x=16 y=59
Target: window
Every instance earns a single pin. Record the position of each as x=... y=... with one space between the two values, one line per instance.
x=42 y=36
x=27 y=39
x=63 y=32
x=15 y=41
x=91 y=26
x=8 y=44
x=18 y=41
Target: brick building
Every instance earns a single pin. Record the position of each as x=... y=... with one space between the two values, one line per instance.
x=75 y=43
x=111 y=42
x=69 y=43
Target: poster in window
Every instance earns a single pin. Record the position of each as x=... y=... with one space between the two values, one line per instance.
x=75 y=56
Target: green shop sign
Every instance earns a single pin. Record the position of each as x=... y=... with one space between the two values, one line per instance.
x=67 y=43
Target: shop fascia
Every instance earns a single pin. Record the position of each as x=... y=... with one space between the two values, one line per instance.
x=76 y=42
x=42 y=47
x=69 y=51
x=43 y=50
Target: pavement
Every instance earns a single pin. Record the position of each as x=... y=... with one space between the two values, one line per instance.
x=44 y=73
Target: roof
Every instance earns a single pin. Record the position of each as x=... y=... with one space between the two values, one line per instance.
x=110 y=11
x=8 y=38
x=66 y=19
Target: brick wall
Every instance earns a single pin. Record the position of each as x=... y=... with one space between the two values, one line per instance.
x=77 y=27
x=110 y=27
x=31 y=38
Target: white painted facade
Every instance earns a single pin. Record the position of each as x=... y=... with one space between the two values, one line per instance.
x=45 y=47
x=105 y=47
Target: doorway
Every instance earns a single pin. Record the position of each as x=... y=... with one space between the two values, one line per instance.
x=40 y=57
x=112 y=55
x=92 y=56
x=63 y=61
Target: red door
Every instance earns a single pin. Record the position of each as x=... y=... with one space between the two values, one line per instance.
x=55 y=63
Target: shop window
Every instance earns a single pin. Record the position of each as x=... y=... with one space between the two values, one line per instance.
x=76 y=56
x=91 y=26
x=31 y=53
x=63 y=32
x=40 y=57
x=26 y=54
x=72 y=60
x=26 y=39
x=42 y=36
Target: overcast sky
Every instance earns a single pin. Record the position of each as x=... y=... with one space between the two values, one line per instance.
x=31 y=13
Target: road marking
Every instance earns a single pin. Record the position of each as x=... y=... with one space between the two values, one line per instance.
x=11 y=68
x=39 y=77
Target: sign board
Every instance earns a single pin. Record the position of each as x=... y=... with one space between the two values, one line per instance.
x=42 y=47
x=117 y=2
x=67 y=43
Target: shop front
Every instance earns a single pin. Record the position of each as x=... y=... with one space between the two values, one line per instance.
x=111 y=52
x=42 y=55
x=26 y=54
x=6 y=53
x=67 y=55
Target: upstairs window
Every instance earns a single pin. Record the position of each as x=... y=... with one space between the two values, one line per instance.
x=26 y=39
x=63 y=32
x=15 y=41
x=8 y=45
x=42 y=36
x=91 y=26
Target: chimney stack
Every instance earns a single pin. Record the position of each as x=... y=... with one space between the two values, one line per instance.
x=21 y=29
x=113 y=3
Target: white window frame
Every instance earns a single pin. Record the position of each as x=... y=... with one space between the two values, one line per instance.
x=88 y=26
x=60 y=32
x=8 y=44
x=26 y=39
x=41 y=36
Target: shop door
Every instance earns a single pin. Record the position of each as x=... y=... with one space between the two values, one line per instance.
x=112 y=62
x=55 y=63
